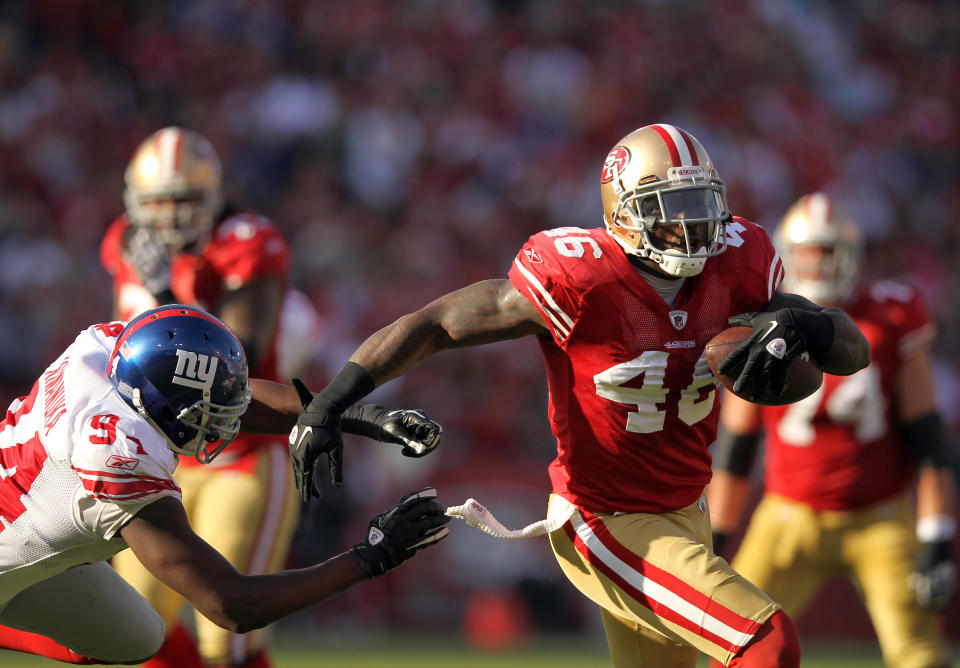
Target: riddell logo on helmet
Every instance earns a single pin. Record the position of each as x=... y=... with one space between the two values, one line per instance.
x=194 y=370
x=675 y=173
x=616 y=161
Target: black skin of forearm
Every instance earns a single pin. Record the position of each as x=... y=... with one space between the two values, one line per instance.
x=161 y=538
x=850 y=350
x=273 y=408
x=481 y=313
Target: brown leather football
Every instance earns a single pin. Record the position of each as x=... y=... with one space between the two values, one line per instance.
x=803 y=375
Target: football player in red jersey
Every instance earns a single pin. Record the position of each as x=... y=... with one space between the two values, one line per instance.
x=622 y=315
x=839 y=464
x=180 y=242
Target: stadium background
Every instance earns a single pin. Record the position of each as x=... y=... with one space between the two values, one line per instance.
x=408 y=148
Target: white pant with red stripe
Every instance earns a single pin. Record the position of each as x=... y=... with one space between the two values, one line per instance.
x=666 y=596
x=91 y=610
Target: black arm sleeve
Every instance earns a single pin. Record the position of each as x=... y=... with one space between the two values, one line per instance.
x=924 y=437
x=735 y=453
x=363 y=419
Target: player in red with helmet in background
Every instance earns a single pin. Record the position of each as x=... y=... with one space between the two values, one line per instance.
x=180 y=242
x=622 y=314
x=839 y=463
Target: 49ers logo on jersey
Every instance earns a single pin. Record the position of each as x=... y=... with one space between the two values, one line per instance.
x=616 y=161
x=194 y=370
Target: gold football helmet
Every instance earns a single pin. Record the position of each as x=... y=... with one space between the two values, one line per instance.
x=828 y=276
x=174 y=187
x=663 y=199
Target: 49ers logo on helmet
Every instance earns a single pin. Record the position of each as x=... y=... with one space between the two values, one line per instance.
x=616 y=161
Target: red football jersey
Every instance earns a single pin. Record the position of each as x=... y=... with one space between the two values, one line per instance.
x=632 y=403
x=839 y=448
x=244 y=247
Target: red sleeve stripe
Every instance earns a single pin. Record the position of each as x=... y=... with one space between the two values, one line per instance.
x=20 y=407
x=120 y=477
x=119 y=498
x=663 y=593
x=128 y=490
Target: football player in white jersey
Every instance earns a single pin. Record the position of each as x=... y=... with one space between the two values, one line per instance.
x=86 y=470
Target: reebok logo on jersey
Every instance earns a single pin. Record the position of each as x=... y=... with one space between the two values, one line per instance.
x=777 y=348
x=126 y=463
x=194 y=370
x=533 y=255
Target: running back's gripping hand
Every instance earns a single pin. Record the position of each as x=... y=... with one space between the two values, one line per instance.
x=411 y=428
x=317 y=432
x=418 y=521
x=760 y=363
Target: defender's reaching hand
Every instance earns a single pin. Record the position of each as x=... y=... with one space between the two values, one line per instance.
x=416 y=522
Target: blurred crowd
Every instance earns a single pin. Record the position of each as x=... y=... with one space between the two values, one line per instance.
x=407 y=148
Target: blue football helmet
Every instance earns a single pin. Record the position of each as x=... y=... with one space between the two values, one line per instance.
x=185 y=372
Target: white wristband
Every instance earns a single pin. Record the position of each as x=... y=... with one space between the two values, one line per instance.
x=936 y=527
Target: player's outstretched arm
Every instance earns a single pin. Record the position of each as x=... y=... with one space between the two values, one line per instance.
x=484 y=312
x=162 y=539
x=274 y=408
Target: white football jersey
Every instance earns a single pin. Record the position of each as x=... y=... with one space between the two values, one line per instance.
x=76 y=464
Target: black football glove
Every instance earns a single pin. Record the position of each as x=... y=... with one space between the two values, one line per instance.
x=760 y=363
x=411 y=428
x=317 y=432
x=151 y=261
x=934 y=577
x=416 y=522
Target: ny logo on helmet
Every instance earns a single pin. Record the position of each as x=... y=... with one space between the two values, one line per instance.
x=194 y=370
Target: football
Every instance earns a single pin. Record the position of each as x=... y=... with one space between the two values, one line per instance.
x=803 y=375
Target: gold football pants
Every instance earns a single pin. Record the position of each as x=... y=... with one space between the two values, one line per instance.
x=249 y=518
x=790 y=550
x=664 y=596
